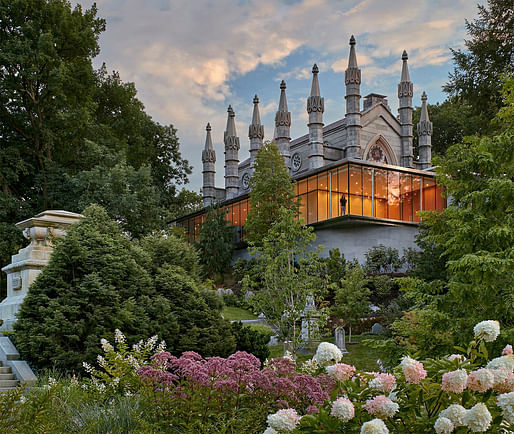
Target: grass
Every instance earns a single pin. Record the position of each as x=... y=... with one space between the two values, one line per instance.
x=236 y=314
x=359 y=355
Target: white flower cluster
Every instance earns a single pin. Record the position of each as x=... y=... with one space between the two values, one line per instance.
x=478 y=418
x=455 y=413
x=343 y=409
x=489 y=330
x=270 y=430
x=106 y=346
x=506 y=403
x=375 y=426
x=327 y=353
x=443 y=425
x=506 y=362
x=119 y=337
x=283 y=420
x=310 y=366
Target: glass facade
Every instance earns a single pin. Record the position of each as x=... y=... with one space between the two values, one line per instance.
x=382 y=193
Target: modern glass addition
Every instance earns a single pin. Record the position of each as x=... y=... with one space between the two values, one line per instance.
x=376 y=192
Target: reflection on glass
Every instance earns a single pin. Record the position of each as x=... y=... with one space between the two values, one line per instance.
x=393 y=195
x=322 y=205
x=416 y=197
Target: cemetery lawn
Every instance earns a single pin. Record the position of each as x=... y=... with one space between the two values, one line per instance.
x=237 y=314
x=360 y=356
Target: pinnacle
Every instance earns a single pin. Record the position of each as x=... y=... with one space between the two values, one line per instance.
x=231 y=112
x=424 y=96
x=315 y=69
x=256 y=99
x=405 y=56
x=208 y=127
x=352 y=40
x=283 y=85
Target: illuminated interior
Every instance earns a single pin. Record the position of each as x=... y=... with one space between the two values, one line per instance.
x=376 y=192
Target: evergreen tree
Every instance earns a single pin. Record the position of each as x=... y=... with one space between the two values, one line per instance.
x=216 y=243
x=99 y=280
x=476 y=78
x=271 y=189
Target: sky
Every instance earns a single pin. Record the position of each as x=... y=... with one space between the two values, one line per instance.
x=190 y=59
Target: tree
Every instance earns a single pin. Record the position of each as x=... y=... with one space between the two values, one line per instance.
x=270 y=189
x=216 y=242
x=99 y=280
x=352 y=298
x=382 y=259
x=289 y=272
x=474 y=235
x=476 y=78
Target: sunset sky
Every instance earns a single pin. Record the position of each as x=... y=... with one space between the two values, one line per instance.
x=191 y=59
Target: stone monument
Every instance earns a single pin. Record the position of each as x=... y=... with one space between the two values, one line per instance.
x=26 y=265
x=340 y=339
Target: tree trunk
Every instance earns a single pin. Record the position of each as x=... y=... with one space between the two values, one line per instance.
x=350 y=334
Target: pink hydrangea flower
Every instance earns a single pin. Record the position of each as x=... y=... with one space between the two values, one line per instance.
x=503 y=380
x=340 y=371
x=383 y=382
x=455 y=356
x=507 y=350
x=480 y=380
x=381 y=406
x=454 y=381
x=413 y=370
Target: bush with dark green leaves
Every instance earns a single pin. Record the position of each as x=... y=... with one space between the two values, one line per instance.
x=252 y=340
x=99 y=280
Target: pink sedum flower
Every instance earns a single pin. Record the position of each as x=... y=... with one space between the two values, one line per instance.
x=381 y=406
x=454 y=381
x=507 y=350
x=413 y=370
x=480 y=380
x=340 y=371
x=343 y=409
x=383 y=382
x=284 y=420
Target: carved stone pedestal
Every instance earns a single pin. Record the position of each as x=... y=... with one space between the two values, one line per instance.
x=26 y=265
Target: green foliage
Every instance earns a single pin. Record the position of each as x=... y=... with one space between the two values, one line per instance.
x=99 y=280
x=71 y=136
x=288 y=273
x=352 y=298
x=252 y=340
x=215 y=244
x=382 y=259
x=271 y=189
x=476 y=78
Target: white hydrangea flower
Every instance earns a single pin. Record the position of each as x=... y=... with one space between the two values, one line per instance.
x=455 y=413
x=506 y=362
x=443 y=425
x=270 y=430
x=375 y=426
x=343 y=409
x=326 y=353
x=284 y=420
x=506 y=403
x=309 y=366
x=478 y=418
x=489 y=330
x=106 y=346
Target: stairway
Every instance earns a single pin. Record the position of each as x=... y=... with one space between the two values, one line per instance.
x=7 y=378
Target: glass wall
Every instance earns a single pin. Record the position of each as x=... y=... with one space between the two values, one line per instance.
x=366 y=191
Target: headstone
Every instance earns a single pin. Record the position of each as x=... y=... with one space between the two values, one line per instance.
x=309 y=322
x=273 y=341
x=248 y=295
x=377 y=329
x=261 y=316
x=26 y=265
x=340 y=339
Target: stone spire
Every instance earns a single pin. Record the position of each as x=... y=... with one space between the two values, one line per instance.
x=353 y=113
x=405 y=110
x=231 y=158
x=315 y=108
x=425 y=135
x=255 y=132
x=283 y=126
x=209 y=170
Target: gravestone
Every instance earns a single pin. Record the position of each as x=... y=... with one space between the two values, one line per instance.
x=377 y=329
x=340 y=339
x=41 y=230
x=309 y=322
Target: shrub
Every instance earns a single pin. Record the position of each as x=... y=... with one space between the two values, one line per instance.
x=98 y=280
x=252 y=340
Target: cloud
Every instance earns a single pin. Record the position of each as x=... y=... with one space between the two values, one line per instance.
x=189 y=59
